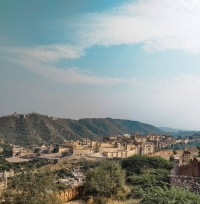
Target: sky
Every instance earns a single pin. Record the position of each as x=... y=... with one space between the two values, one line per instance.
x=131 y=59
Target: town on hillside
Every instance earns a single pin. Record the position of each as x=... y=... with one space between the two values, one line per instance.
x=72 y=177
x=121 y=146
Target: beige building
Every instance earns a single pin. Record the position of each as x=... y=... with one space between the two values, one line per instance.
x=121 y=146
x=18 y=151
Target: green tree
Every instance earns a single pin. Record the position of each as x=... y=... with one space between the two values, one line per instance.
x=37 y=150
x=179 y=137
x=105 y=180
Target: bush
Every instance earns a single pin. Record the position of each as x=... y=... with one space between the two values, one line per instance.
x=158 y=195
x=137 y=163
x=155 y=177
x=62 y=173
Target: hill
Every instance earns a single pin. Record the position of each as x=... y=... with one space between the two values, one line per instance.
x=36 y=129
x=168 y=129
x=178 y=132
x=183 y=133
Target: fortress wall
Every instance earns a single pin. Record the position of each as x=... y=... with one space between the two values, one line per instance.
x=120 y=154
x=110 y=149
x=82 y=151
x=131 y=152
x=164 y=152
x=70 y=194
x=186 y=182
x=188 y=174
x=190 y=169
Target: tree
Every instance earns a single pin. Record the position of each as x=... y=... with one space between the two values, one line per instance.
x=37 y=150
x=56 y=149
x=105 y=180
x=179 y=138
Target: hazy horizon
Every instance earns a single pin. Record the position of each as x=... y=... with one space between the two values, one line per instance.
x=136 y=60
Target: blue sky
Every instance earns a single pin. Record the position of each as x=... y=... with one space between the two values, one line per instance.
x=137 y=60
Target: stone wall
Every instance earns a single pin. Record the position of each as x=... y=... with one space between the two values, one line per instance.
x=81 y=151
x=186 y=182
x=119 y=154
x=190 y=169
x=70 y=194
x=165 y=152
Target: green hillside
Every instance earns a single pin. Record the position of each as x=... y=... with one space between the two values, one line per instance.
x=36 y=129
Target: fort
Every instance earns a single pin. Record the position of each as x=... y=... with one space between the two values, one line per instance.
x=121 y=146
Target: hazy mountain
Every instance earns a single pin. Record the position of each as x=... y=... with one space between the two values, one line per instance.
x=168 y=129
x=36 y=129
x=178 y=132
x=183 y=133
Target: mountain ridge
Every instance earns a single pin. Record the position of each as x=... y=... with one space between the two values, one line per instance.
x=36 y=129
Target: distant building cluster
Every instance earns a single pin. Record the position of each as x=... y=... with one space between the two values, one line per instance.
x=110 y=147
x=183 y=140
x=121 y=146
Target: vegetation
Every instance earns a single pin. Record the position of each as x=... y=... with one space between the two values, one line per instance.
x=148 y=177
x=62 y=173
x=30 y=188
x=145 y=177
x=181 y=146
x=22 y=166
x=105 y=180
x=87 y=165
x=7 y=151
x=165 y=195
x=138 y=163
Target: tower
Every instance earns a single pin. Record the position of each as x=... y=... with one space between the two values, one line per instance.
x=4 y=179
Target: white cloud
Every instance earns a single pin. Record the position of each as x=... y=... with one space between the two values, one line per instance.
x=159 y=24
x=69 y=75
x=48 y=53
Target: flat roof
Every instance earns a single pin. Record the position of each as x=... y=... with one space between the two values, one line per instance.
x=17 y=159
